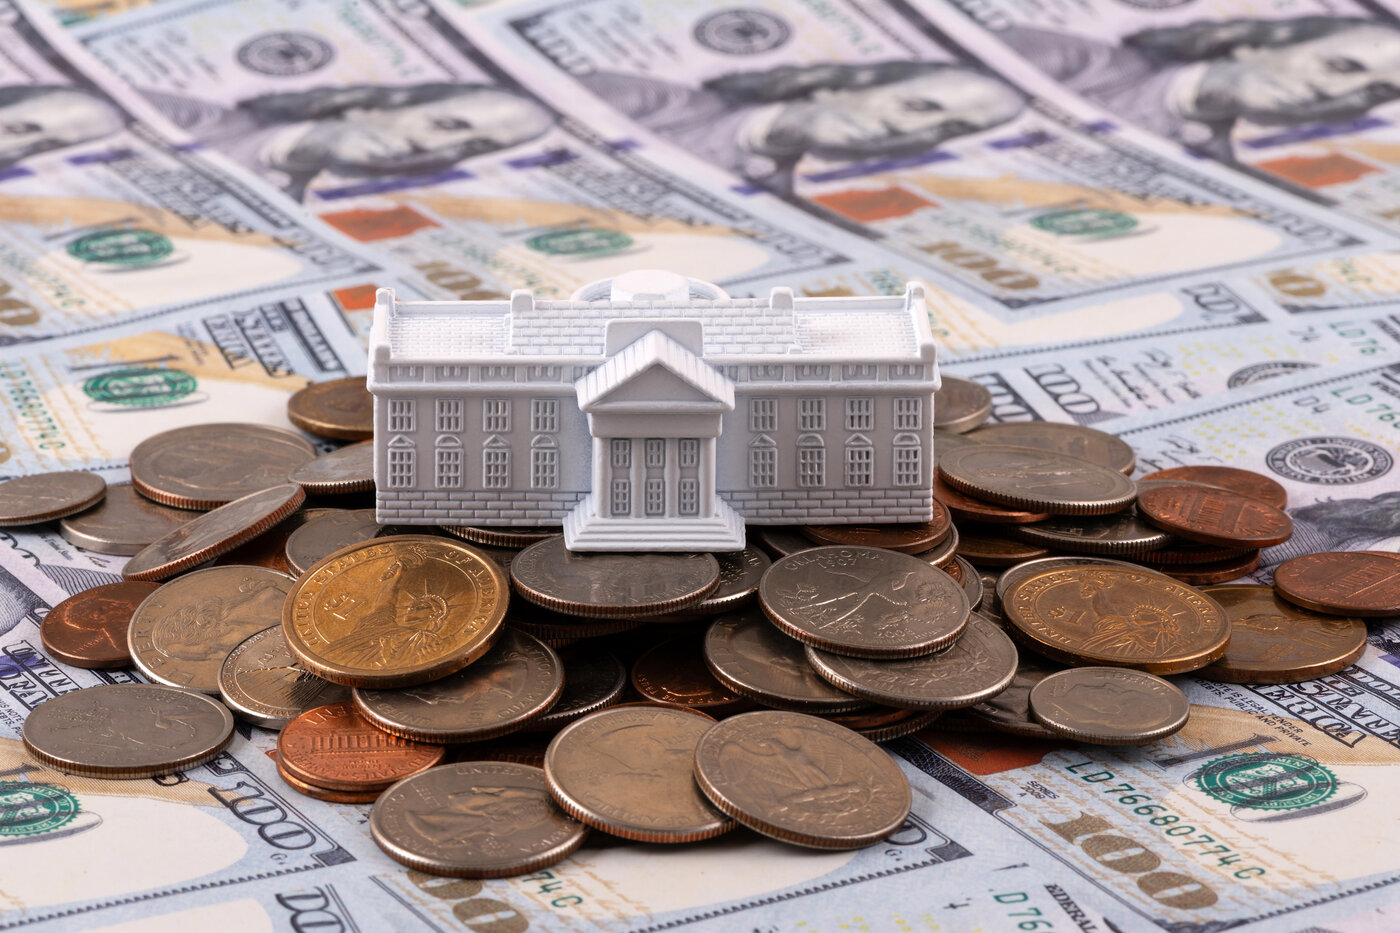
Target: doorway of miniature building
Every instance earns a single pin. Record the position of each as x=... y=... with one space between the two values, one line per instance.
x=654 y=411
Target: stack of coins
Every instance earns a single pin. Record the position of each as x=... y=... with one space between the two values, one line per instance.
x=496 y=696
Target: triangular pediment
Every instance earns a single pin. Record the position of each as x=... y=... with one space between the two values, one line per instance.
x=655 y=374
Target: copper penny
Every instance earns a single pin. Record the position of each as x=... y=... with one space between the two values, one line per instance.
x=1217 y=572
x=123 y=523
x=214 y=533
x=986 y=547
x=965 y=508
x=1214 y=517
x=341 y=409
x=1077 y=440
x=751 y=657
x=1109 y=706
x=1117 y=616
x=960 y=405
x=203 y=466
x=1245 y=482
x=629 y=771
x=675 y=672
x=349 y=469
x=337 y=748
x=907 y=537
x=88 y=629
x=611 y=585
x=1348 y=583
x=307 y=789
x=26 y=500
x=1275 y=642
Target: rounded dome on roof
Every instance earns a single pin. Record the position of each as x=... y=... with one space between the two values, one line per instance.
x=650 y=285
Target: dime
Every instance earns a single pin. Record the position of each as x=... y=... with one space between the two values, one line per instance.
x=474 y=819
x=325 y=793
x=960 y=405
x=1010 y=710
x=1218 y=572
x=395 y=612
x=864 y=602
x=628 y=771
x=1347 y=583
x=203 y=466
x=989 y=547
x=907 y=537
x=675 y=672
x=43 y=497
x=1122 y=533
x=341 y=409
x=88 y=629
x=594 y=679
x=516 y=681
x=1214 y=517
x=269 y=549
x=262 y=683
x=182 y=632
x=1027 y=569
x=349 y=469
x=213 y=533
x=965 y=508
x=971 y=581
x=1109 y=706
x=781 y=540
x=1275 y=642
x=336 y=748
x=884 y=723
x=505 y=536
x=802 y=780
x=123 y=523
x=752 y=658
x=1036 y=480
x=945 y=553
x=1117 y=616
x=977 y=667
x=327 y=533
x=127 y=731
x=611 y=585
x=1245 y=482
x=1074 y=439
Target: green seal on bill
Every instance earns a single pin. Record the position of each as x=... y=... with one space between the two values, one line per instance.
x=585 y=242
x=140 y=387
x=31 y=809
x=1085 y=222
x=1267 y=781
x=122 y=248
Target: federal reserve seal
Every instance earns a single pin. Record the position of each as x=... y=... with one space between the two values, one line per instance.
x=584 y=242
x=140 y=388
x=285 y=53
x=742 y=32
x=129 y=248
x=1330 y=461
x=1085 y=222
x=1258 y=372
x=32 y=809
x=1267 y=781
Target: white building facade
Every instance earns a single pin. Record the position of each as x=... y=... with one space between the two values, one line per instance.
x=653 y=412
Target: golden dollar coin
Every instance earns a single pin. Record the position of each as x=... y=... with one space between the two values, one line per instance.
x=395 y=612
x=1118 y=616
x=1273 y=641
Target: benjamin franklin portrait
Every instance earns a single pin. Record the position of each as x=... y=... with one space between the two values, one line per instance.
x=42 y=118
x=761 y=124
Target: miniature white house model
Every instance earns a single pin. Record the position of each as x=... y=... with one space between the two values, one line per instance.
x=653 y=412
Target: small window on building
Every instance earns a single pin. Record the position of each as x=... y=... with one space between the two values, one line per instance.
x=860 y=466
x=655 y=452
x=860 y=414
x=495 y=415
x=621 y=453
x=907 y=466
x=763 y=467
x=811 y=414
x=908 y=413
x=495 y=468
x=449 y=415
x=401 y=469
x=655 y=496
x=544 y=468
x=448 y=472
x=544 y=415
x=401 y=415
x=811 y=466
x=621 y=497
x=689 y=451
x=689 y=500
x=763 y=414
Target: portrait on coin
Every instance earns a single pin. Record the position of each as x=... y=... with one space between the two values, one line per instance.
x=1195 y=82
x=795 y=773
x=333 y=137
x=762 y=125
x=40 y=118
x=475 y=816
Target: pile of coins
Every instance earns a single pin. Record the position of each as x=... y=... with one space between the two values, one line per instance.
x=495 y=696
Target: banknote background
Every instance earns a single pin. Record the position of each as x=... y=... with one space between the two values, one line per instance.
x=1119 y=222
